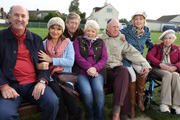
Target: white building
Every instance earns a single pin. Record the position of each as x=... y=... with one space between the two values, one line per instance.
x=157 y=25
x=103 y=14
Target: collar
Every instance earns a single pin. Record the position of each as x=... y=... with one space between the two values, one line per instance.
x=17 y=36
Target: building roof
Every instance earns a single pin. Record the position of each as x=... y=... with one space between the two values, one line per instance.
x=167 y=18
x=43 y=11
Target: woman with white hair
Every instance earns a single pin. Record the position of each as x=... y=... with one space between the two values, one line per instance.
x=137 y=34
x=90 y=59
x=165 y=59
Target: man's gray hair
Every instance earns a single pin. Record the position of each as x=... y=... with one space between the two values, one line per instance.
x=110 y=20
x=10 y=10
x=73 y=15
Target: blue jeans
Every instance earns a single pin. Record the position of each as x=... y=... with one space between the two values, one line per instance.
x=48 y=103
x=92 y=94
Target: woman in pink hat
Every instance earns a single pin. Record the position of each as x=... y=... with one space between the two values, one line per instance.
x=165 y=59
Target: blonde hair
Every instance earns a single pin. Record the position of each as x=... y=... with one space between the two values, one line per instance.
x=145 y=23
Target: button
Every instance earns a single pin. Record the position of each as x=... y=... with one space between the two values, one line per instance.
x=14 y=52
x=11 y=69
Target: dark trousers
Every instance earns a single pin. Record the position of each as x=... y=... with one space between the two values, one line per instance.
x=65 y=99
x=48 y=103
x=119 y=79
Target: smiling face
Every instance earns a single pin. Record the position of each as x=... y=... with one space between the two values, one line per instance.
x=19 y=19
x=168 y=40
x=90 y=32
x=139 y=21
x=72 y=25
x=55 y=32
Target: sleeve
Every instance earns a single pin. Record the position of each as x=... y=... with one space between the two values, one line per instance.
x=3 y=79
x=78 y=58
x=101 y=63
x=151 y=56
x=133 y=55
x=68 y=59
x=41 y=74
x=149 y=43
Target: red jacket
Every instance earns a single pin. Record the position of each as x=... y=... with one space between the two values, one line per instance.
x=155 y=55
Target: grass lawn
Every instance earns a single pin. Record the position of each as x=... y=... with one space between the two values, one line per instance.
x=108 y=100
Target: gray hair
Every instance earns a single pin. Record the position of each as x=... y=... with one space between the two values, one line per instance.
x=10 y=10
x=93 y=24
x=110 y=20
x=73 y=15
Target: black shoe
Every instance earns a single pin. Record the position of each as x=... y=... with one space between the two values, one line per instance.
x=79 y=116
x=63 y=117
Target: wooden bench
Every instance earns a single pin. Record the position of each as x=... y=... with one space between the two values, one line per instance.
x=26 y=108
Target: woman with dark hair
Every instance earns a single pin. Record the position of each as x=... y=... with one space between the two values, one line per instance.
x=60 y=55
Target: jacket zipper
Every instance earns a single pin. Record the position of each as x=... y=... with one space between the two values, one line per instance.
x=20 y=41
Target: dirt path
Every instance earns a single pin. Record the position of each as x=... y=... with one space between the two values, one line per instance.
x=142 y=117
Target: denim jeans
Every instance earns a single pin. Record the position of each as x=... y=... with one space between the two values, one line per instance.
x=48 y=103
x=92 y=94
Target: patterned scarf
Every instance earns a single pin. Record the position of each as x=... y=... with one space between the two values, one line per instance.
x=166 y=58
x=137 y=32
x=56 y=51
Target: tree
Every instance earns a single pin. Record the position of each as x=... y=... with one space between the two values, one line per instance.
x=50 y=15
x=124 y=20
x=74 y=7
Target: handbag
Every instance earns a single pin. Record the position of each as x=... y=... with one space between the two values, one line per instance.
x=63 y=77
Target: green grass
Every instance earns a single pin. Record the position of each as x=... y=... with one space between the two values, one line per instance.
x=108 y=100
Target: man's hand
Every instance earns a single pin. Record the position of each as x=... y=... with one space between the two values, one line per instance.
x=144 y=72
x=9 y=92
x=43 y=66
x=44 y=56
x=38 y=90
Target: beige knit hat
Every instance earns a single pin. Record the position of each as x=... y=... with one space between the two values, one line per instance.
x=170 y=31
x=56 y=21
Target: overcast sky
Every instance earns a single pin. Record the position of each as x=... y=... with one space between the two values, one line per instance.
x=126 y=8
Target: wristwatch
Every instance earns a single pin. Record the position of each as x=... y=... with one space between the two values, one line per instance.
x=42 y=81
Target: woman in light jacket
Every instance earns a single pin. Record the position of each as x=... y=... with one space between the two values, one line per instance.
x=60 y=55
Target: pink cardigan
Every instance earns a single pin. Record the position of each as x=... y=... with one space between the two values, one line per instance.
x=155 y=55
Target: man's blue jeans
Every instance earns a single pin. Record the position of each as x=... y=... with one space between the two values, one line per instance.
x=48 y=103
x=92 y=93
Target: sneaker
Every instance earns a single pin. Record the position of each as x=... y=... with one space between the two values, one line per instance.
x=164 y=108
x=177 y=109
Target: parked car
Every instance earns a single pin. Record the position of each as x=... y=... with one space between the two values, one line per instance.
x=167 y=27
x=122 y=26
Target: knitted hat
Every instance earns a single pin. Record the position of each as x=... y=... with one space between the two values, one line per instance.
x=56 y=21
x=139 y=13
x=170 y=31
